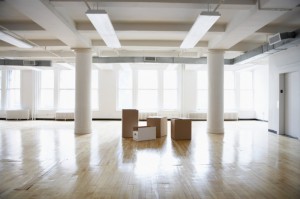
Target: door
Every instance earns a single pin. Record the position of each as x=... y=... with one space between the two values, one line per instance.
x=292 y=104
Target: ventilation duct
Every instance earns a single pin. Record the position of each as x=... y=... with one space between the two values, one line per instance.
x=14 y=62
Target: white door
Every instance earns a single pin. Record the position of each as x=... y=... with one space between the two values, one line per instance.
x=292 y=104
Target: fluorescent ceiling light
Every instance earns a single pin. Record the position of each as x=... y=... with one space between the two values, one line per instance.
x=14 y=41
x=202 y=24
x=104 y=27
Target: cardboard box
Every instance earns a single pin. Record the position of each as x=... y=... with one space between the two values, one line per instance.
x=181 y=129
x=160 y=123
x=130 y=119
x=142 y=133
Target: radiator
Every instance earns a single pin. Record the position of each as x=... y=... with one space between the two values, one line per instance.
x=170 y=114
x=231 y=116
x=145 y=115
x=17 y=114
x=64 y=115
x=203 y=116
x=198 y=116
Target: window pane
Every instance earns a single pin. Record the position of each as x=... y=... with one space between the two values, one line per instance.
x=147 y=79
x=13 y=79
x=246 y=80
x=95 y=79
x=0 y=81
x=229 y=100
x=67 y=79
x=13 y=99
x=125 y=99
x=66 y=99
x=47 y=79
x=202 y=80
x=47 y=99
x=170 y=99
x=147 y=100
x=125 y=79
x=95 y=99
x=228 y=80
x=202 y=98
x=170 y=79
x=246 y=99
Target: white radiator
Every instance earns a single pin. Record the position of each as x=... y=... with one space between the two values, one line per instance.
x=231 y=116
x=17 y=114
x=64 y=115
x=170 y=114
x=198 y=116
x=145 y=115
x=203 y=116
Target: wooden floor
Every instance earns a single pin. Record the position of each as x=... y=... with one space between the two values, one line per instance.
x=44 y=159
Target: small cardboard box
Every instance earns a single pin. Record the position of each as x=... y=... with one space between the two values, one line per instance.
x=160 y=123
x=142 y=133
x=181 y=129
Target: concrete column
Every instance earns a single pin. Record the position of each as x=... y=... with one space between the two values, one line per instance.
x=215 y=113
x=83 y=108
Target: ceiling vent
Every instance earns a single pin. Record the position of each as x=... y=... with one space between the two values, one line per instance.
x=149 y=59
x=274 y=39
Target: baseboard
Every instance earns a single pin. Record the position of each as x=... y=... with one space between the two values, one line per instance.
x=272 y=131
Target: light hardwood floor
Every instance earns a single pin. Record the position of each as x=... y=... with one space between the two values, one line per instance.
x=44 y=159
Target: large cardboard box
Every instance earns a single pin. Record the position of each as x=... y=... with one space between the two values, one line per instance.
x=181 y=129
x=130 y=119
x=143 y=133
x=160 y=123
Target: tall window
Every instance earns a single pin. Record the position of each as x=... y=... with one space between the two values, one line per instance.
x=0 y=89
x=125 y=89
x=170 y=101
x=229 y=90
x=67 y=90
x=147 y=90
x=246 y=90
x=202 y=90
x=95 y=92
x=13 y=89
x=47 y=90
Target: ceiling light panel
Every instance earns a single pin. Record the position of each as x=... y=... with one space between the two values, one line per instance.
x=14 y=41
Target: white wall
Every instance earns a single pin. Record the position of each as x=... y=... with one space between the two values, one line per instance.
x=279 y=63
x=261 y=92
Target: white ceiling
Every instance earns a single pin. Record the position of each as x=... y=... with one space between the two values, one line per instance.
x=144 y=28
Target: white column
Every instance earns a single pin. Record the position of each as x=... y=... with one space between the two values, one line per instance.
x=215 y=114
x=83 y=108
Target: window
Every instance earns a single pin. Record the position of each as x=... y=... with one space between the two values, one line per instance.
x=46 y=100
x=0 y=89
x=95 y=98
x=13 y=89
x=170 y=99
x=246 y=90
x=229 y=90
x=125 y=89
x=67 y=90
x=202 y=90
x=147 y=90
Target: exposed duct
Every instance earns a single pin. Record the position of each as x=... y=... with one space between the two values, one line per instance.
x=291 y=39
x=168 y=60
x=14 y=62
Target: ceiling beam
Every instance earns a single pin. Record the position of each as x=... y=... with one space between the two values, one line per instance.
x=46 y=16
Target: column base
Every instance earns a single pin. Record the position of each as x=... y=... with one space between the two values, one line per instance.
x=82 y=132
x=215 y=131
